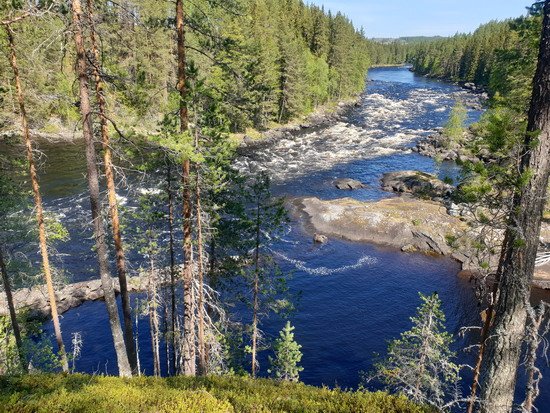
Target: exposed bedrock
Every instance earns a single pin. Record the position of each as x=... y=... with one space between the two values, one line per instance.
x=404 y=222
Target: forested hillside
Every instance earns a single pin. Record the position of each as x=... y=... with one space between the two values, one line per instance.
x=268 y=61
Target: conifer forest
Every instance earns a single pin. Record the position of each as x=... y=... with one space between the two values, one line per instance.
x=267 y=206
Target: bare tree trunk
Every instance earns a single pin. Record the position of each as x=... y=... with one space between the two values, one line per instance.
x=42 y=236
x=93 y=185
x=173 y=312
x=13 y=314
x=167 y=343
x=189 y=357
x=201 y=340
x=256 y=293
x=111 y=191
x=153 y=320
x=499 y=368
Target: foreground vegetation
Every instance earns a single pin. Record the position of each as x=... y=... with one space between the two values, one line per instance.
x=83 y=393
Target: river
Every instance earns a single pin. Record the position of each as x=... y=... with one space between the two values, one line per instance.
x=354 y=297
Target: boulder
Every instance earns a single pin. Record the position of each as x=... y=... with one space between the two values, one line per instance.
x=347 y=183
x=320 y=239
x=408 y=248
x=418 y=183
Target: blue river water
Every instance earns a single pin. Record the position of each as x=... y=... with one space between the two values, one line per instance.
x=354 y=297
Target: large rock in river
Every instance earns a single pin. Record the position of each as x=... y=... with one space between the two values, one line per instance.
x=418 y=183
x=347 y=183
x=406 y=223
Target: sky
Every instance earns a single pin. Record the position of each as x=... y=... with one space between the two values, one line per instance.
x=395 y=18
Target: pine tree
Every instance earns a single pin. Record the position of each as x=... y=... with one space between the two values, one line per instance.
x=42 y=233
x=420 y=362
x=93 y=187
x=521 y=241
x=287 y=356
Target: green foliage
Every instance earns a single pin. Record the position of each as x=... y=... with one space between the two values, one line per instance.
x=76 y=392
x=454 y=128
x=37 y=347
x=287 y=356
x=265 y=61
x=498 y=55
x=420 y=362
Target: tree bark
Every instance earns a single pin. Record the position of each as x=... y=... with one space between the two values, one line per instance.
x=173 y=309
x=485 y=332
x=42 y=236
x=189 y=356
x=534 y=339
x=256 y=293
x=203 y=369
x=111 y=195
x=499 y=368
x=93 y=185
x=13 y=314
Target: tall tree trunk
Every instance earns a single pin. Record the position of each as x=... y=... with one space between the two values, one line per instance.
x=42 y=236
x=203 y=370
x=153 y=320
x=499 y=368
x=93 y=185
x=489 y=313
x=173 y=310
x=111 y=192
x=256 y=293
x=189 y=356
x=13 y=315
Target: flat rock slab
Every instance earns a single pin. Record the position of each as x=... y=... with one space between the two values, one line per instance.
x=407 y=223
x=403 y=222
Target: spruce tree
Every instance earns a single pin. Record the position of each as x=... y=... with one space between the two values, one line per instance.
x=284 y=366
x=420 y=362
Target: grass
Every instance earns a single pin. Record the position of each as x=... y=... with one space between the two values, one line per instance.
x=84 y=393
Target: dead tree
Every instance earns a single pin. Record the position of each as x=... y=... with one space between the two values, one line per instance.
x=42 y=235
x=93 y=186
x=152 y=305
x=502 y=354
x=173 y=309
x=201 y=342
x=13 y=315
x=111 y=193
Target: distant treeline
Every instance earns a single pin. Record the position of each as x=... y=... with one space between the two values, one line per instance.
x=500 y=55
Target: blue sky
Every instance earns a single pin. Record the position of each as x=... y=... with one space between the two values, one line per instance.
x=394 y=18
